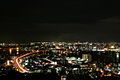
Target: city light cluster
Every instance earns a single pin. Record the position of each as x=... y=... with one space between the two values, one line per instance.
x=64 y=58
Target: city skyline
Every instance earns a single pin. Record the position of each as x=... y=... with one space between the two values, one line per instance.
x=60 y=40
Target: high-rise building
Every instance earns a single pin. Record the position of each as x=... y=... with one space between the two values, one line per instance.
x=87 y=57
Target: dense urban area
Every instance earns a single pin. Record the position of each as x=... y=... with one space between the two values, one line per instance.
x=60 y=61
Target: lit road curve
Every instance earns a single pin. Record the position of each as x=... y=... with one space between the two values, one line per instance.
x=20 y=68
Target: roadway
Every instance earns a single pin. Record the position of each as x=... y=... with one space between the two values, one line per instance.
x=20 y=68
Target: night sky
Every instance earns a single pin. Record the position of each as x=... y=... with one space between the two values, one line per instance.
x=60 y=21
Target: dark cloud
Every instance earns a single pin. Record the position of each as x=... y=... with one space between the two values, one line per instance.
x=60 y=21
